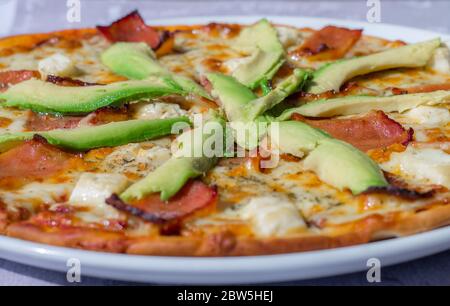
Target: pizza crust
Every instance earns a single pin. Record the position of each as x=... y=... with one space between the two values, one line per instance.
x=26 y=42
x=72 y=237
x=3 y=221
x=372 y=228
x=225 y=243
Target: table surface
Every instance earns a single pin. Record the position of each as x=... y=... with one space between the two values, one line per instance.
x=26 y=16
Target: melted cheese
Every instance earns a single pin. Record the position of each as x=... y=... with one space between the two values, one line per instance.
x=35 y=194
x=441 y=60
x=19 y=118
x=86 y=56
x=289 y=36
x=241 y=183
x=427 y=165
x=233 y=63
x=137 y=158
x=92 y=189
x=59 y=65
x=273 y=216
x=429 y=116
x=157 y=110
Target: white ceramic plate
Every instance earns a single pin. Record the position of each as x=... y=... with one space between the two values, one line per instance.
x=252 y=269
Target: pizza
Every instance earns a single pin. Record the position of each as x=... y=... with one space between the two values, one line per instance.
x=221 y=139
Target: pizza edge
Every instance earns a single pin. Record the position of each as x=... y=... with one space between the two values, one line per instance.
x=226 y=243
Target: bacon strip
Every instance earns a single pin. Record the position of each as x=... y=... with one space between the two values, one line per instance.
x=399 y=188
x=38 y=122
x=131 y=28
x=31 y=160
x=192 y=197
x=64 y=81
x=405 y=193
x=329 y=43
x=348 y=89
x=108 y=114
x=374 y=130
x=420 y=89
x=43 y=122
x=167 y=46
x=12 y=77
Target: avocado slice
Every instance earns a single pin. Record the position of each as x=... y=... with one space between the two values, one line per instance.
x=107 y=135
x=191 y=86
x=287 y=87
x=46 y=97
x=171 y=176
x=332 y=76
x=11 y=140
x=242 y=105
x=267 y=53
x=295 y=137
x=137 y=61
x=245 y=110
x=343 y=166
x=335 y=162
x=232 y=94
x=362 y=104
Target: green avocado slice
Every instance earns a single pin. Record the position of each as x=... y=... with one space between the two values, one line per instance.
x=245 y=110
x=46 y=97
x=191 y=86
x=232 y=94
x=137 y=61
x=332 y=76
x=10 y=140
x=287 y=87
x=362 y=104
x=335 y=162
x=242 y=105
x=171 y=176
x=260 y=66
x=295 y=137
x=107 y=135
x=267 y=54
x=343 y=166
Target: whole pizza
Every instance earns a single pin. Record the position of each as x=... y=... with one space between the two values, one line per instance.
x=221 y=139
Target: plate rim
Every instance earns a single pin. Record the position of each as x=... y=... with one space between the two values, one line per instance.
x=250 y=269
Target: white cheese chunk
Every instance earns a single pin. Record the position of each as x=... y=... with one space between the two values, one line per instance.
x=92 y=189
x=440 y=61
x=34 y=194
x=273 y=216
x=157 y=110
x=429 y=115
x=424 y=164
x=234 y=63
x=289 y=36
x=58 y=64
x=18 y=120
